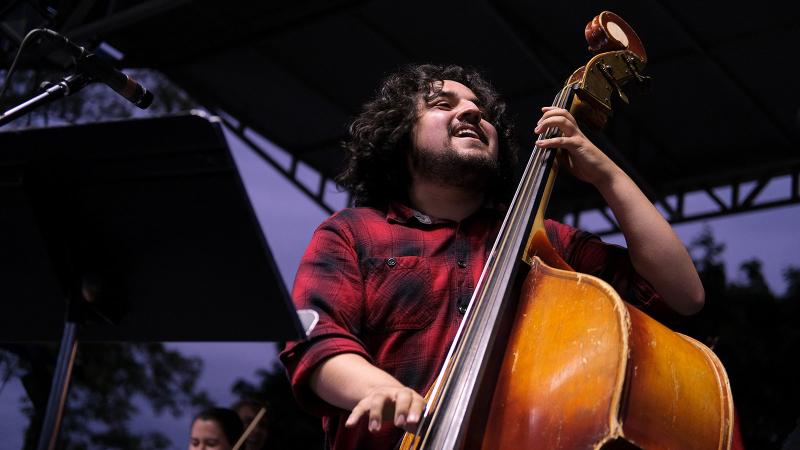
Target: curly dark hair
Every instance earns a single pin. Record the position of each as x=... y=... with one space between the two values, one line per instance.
x=376 y=171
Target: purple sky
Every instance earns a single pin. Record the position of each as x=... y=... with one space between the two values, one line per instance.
x=289 y=218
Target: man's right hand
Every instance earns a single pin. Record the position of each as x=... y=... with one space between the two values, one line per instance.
x=350 y=382
x=401 y=404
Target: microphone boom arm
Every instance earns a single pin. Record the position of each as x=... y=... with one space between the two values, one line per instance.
x=90 y=68
x=68 y=86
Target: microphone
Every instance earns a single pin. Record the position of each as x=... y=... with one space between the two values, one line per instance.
x=97 y=69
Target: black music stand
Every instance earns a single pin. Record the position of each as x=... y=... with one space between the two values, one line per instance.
x=137 y=230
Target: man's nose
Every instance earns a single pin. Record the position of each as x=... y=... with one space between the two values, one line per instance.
x=469 y=112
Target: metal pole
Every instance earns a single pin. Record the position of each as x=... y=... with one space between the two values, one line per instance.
x=60 y=387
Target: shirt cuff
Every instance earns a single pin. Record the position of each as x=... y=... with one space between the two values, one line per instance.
x=303 y=357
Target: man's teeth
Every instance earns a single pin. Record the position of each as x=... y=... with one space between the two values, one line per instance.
x=467 y=133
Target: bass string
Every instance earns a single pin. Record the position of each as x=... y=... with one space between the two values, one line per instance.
x=525 y=193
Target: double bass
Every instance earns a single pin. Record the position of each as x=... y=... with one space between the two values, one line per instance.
x=547 y=358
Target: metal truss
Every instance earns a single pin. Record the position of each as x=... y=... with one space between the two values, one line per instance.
x=72 y=18
x=737 y=193
x=116 y=19
x=740 y=195
x=744 y=189
x=317 y=195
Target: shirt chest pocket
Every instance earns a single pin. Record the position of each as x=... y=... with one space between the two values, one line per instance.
x=398 y=293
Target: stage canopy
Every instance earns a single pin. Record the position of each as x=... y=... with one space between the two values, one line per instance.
x=719 y=122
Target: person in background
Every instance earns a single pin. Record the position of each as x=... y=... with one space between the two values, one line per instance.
x=247 y=411
x=215 y=429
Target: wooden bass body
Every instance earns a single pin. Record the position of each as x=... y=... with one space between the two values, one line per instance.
x=585 y=370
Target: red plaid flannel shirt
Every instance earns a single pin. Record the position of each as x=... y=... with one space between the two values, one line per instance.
x=391 y=287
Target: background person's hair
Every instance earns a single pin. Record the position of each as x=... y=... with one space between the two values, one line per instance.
x=227 y=419
x=255 y=405
x=376 y=171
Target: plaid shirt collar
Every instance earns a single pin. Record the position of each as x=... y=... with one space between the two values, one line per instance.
x=399 y=213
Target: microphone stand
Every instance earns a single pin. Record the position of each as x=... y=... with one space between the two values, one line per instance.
x=88 y=69
x=69 y=345
x=59 y=388
x=68 y=86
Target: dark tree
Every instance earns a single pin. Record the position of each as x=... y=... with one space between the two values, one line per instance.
x=756 y=335
x=290 y=428
x=106 y=381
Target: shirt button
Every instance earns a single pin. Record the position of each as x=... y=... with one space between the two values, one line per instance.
x=461 y=263
x=391 y=262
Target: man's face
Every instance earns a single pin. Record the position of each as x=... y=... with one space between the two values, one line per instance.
x=453 y=143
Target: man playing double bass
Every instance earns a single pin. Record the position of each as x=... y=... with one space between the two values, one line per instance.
x=430 y=162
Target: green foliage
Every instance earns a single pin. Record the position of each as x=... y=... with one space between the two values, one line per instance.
x=756 y=335
x=9 y=368
x=106 y=381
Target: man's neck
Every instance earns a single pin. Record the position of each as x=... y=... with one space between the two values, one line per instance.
x=443 y=201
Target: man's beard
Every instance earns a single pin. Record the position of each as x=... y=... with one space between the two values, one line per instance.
x=451 y=168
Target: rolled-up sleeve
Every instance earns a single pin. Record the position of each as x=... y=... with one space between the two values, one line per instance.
x=329 y=282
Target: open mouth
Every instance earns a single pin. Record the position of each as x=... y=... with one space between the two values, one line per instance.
x=469 y=131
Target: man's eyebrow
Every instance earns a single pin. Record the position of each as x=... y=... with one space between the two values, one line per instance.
x=451 y=95
x=445 y=94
